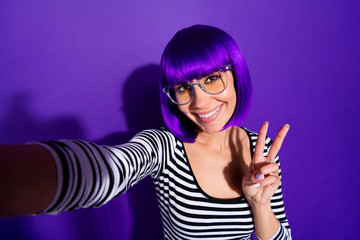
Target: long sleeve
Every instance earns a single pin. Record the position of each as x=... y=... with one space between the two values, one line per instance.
x=90 y=175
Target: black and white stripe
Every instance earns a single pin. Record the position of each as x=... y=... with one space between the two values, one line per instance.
x=91 y=175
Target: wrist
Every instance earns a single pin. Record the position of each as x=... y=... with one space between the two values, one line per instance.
x=255 y=205
x=266 y=223
x=260 y=207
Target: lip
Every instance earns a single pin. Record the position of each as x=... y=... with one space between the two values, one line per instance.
x=211 y=118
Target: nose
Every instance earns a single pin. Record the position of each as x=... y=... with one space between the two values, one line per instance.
x=200 y=98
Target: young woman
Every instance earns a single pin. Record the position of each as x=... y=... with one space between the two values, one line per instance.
x=213 y=179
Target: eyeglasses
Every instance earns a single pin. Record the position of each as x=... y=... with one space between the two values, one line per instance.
x=212 y=82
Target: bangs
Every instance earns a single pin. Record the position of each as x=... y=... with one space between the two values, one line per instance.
x=190 y=57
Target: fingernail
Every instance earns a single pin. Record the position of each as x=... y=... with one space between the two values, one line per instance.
x=259 y=176
x=256 y=185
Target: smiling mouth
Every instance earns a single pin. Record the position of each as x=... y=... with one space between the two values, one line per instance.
x=210 y=114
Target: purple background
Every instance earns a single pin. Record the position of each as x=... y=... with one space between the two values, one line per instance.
x=74 y=69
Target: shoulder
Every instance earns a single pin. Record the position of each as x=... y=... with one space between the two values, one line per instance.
x=154 y=136
x=161 y=132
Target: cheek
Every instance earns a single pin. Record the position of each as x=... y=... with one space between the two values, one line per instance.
x=232 y=99
x=231 y=93
x=183 y=109
x=232 y=102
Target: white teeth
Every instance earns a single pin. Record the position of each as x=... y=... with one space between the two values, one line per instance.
x=209 y=114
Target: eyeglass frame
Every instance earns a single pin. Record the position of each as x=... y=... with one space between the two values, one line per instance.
x=196 y=82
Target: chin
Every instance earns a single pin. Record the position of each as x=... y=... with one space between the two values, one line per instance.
x=210 y=129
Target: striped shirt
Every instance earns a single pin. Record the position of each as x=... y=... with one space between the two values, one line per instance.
x=90 y=175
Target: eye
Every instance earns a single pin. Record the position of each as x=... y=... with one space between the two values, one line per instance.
x=212 y=78
x=181 y=88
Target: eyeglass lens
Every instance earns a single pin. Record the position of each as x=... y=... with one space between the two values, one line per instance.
x=213 y=83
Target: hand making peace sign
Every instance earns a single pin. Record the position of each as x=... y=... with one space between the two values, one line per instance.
x=262 y=179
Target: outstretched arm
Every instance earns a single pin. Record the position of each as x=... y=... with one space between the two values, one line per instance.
x=28 y=179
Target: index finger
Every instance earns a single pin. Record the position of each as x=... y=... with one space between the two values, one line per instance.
x=260 y=143
x=275 y=147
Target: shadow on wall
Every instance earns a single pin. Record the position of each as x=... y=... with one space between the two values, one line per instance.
x=135 y=214
x=142 y=110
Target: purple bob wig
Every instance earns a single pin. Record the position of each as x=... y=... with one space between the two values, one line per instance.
x=191 y=52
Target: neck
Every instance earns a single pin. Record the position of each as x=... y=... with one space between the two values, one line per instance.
x=219 y=140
